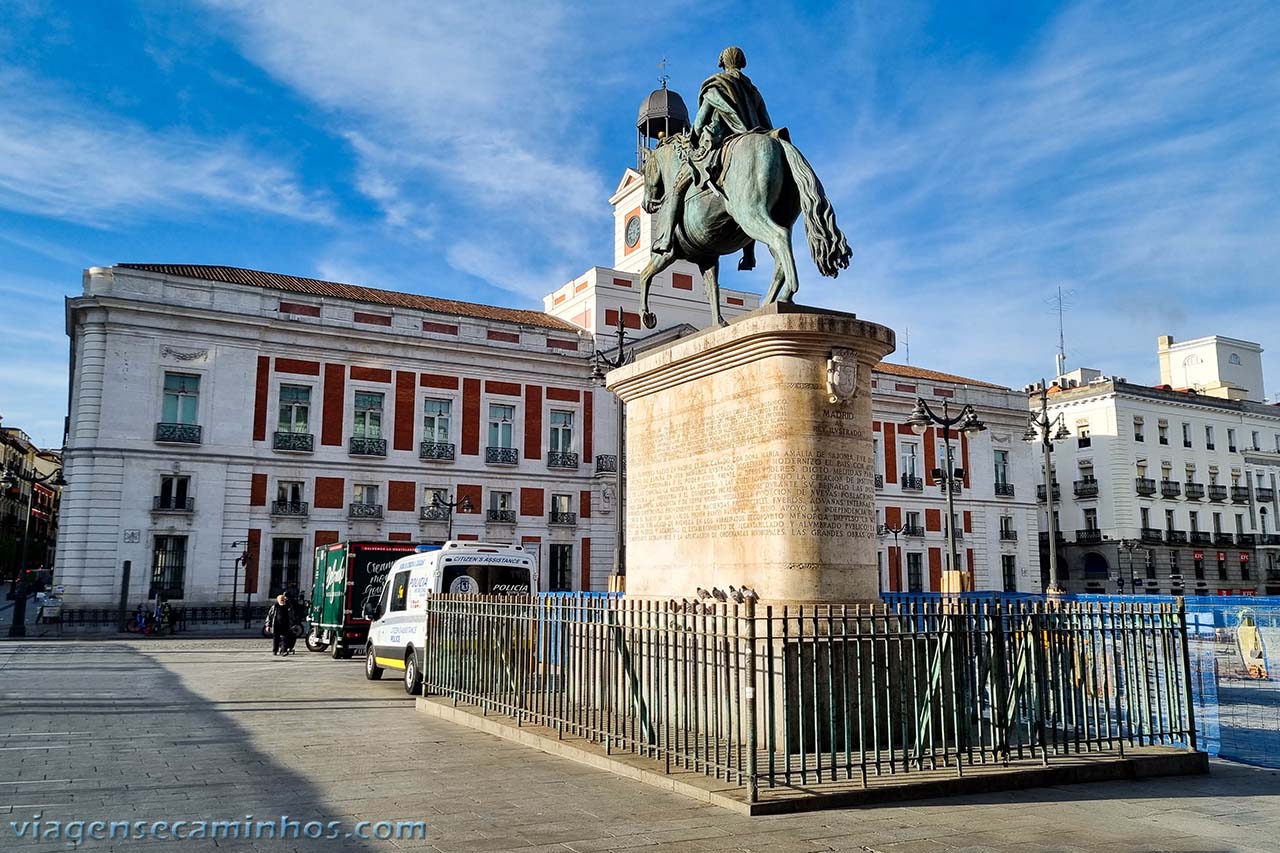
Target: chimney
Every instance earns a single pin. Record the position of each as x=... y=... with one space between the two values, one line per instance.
x=1163 y=344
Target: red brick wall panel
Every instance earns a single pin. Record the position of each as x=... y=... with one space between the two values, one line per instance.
x=400 y=495
x=532 y=421
x=629 y=320
x=930 y=456
x=329 y=492
x=335 y=391
x=371 y=374
x=471 y=417
x=473 y=493
x=584 y=503
x=504 y=337
x=556 y=343
x=681 y=281
x=532 y=502
x=372 y=319
x=735 y=300
x=895 y=569
x=890 y=454
x=260 y=398
x=254 y=550
x=507 y=389
x=326 y=537
x=258 y=490
x=439 y=328
x=588 y=425
x=893 y=516
x=935 y=570
x=300 y=308
x=564 y=395
x=405 y=391
x=964 y=457
x=968 y=521
x=400 y=537
x=586 y=564
x=300 y=366
x=436 y=380
x=933 y=520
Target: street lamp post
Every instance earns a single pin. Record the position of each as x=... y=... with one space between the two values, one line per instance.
x=601 y=362
x=950 y=477
x=896 y=530
x=11 y=477
x=449 y=506
x=1129 y=546
x=1047 y=430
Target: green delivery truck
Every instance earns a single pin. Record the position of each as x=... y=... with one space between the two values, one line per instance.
x=346 y=584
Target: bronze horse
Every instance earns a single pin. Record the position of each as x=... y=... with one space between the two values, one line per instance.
x=764 y=185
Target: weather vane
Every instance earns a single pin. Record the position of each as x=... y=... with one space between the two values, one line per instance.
x=664 y=76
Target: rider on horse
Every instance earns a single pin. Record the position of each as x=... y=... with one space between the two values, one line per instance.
x=728 y=104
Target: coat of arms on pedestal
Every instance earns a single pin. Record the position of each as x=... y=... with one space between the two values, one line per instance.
x=842 y=375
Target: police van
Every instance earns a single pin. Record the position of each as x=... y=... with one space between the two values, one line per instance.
x=458 y=568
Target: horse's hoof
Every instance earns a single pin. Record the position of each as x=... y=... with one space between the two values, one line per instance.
x=649 y=320
x=722 y=322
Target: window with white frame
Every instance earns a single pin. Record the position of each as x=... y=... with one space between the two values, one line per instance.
x=1137 y=428
x=1002 y=467
x=908 y=452
x=365 y=494
x=368 y=415
x=295 y=409
x=1231 y=439
x=501 y=419
x=915 y=571
x=290 y=491
x=500 y=501
x=1090 y=519
x=181 y=398
x=436 y=415
x=561 y=431
x=1208 y=437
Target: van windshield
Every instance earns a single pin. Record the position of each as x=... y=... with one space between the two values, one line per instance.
x=485 y=579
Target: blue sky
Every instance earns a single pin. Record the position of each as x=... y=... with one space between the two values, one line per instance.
x=979 y=155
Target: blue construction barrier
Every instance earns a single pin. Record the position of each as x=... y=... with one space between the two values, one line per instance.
x=1234 y=645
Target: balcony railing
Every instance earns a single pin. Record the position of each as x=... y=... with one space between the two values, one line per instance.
x=1086 y=488
x=562 y=459
x=436 y=450
x=1240 y=494
x=913 y=484
x=1200 y=537
x=913 y=530
x=1246 y=540
x=1175 y=537
x=1144 y=485
x=1040 y=492
x=289 y=507
x=367 y=446
x=1193 y=491
x=562 y=517
x=1057 y=534
x=179 y=433
x=1004 y=490
x=1264 y=494
x=956 y=486
x=431 y=512
x=1217 y=493
x=294 y=442
x=879 y=481
x=606 y=463
x=169 y=503
x=1151 y=534
x=364 y=510
x=1170 y=488
x=1088 y=536
x=501 y=456
x=1008 y=536
x=502 y=516
x=1223 y=538
x=1269 y=539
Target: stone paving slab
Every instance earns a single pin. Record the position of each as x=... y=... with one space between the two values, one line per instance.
x=191 y=729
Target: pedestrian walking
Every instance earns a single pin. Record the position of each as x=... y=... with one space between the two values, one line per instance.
x=278 y=625
x=295 y=612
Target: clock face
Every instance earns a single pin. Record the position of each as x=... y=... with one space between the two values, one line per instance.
x=633 y=232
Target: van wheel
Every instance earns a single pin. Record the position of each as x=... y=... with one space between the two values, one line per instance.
x=412 y=678
x=371 y=669
x=315 y=641
x=337 y=651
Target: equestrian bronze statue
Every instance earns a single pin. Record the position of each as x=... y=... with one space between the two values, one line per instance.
x=731 y=181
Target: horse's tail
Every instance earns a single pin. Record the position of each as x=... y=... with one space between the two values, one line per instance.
x=830 y=250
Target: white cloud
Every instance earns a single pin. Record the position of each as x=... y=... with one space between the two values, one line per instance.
x=68 y=160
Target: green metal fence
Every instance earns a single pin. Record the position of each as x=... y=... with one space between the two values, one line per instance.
x=793 y=696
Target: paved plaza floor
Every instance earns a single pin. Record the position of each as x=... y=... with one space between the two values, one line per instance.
x=192 y=730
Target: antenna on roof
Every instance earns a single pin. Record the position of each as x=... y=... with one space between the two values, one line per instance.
x=1061 y=302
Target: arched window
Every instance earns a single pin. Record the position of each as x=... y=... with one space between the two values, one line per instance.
x=1233 y=359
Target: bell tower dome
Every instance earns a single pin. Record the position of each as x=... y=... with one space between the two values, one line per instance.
x=663 y=113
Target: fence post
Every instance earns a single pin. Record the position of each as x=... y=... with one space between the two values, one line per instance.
x=1186 y=674
x=753 y=786
x=122 y=616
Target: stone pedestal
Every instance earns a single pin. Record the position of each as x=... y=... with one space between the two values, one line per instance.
x=750 y=459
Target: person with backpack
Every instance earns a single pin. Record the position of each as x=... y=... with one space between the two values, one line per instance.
x=280 y=625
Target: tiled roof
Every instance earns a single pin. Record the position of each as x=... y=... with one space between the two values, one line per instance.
x=906 y=371
x=355 y=293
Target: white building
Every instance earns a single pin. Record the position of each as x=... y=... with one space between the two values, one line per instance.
x=1170 y=488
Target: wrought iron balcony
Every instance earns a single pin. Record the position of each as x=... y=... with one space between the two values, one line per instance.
x=502 y=456
x=1264 y=494
x=561 y=459
x=368 y=446
x=1057 y=534
x=1086 y=487
x=1151 y=534
x=1008 y=536
x=1193 y=491
x=913 y=530
x=289 y=507
x=1145 y=485
x=912 y=484
x=956 y=486
x=1221 y=537
x=1217 y=493
x=1170 y=488
x=294 y=442
x=432 y=512
x=1088 y=536
x=364 y=510
x=606 y=463
x=169 y=503
x=440 y=450
x=502 y=516
x=1040 y=492
x=1269 y=539
x=1246 y=540
x=1240 y=494
x=1175 y=537
x=1004 y=490
x=1200 y=537
x=879 y=481
x=562 y=517
x=179 y=433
